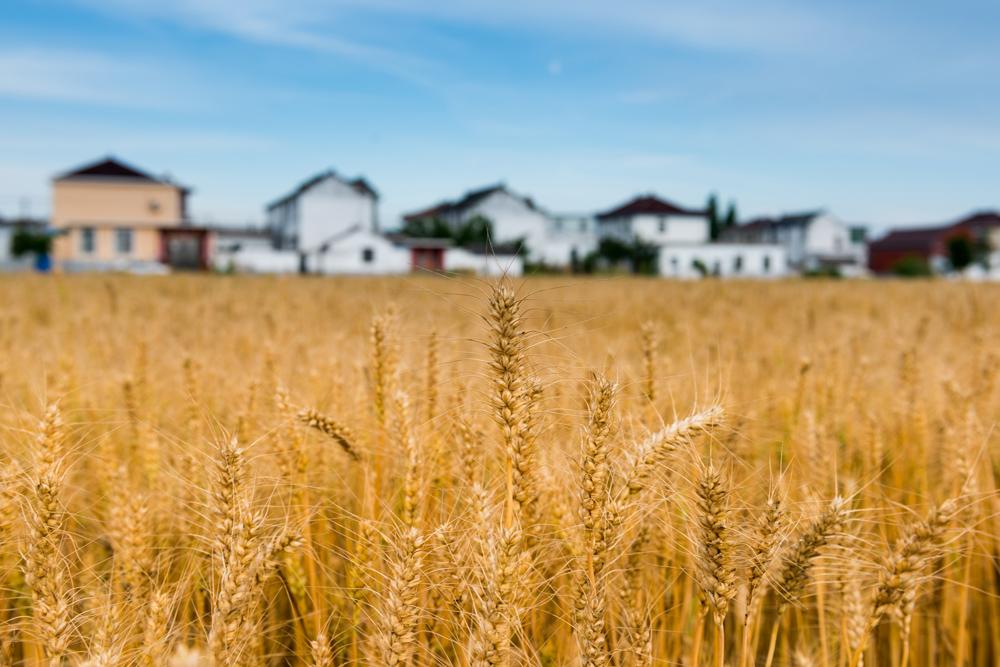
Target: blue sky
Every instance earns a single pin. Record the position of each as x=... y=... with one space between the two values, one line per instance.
x=884 y=112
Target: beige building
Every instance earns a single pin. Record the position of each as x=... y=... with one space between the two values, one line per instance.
x=110 y=215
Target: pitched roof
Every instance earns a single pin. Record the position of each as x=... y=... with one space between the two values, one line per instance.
x=111 y=168
x=359 y=184
x=911 y=238
x=650 y=205
x=787 y=220
x=468 y=200
x=980 y=221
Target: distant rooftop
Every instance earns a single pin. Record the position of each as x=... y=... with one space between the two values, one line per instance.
x=359 y=184
x=111 y=168
x=648 y=205
x=469 y=199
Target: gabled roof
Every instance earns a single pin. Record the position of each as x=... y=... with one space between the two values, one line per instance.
x=112 y=169
x=468 y=200
x=980 y=221
x=925 y=238
x=648 y=205
x=911 y=238
x=787 y=220
x=359 y=184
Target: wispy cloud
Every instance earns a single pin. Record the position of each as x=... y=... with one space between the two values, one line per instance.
x=80 y=77
x=301 y=24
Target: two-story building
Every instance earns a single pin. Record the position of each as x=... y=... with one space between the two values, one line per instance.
x=654 y=220
x=111 y=215
x=814 y=240
x=517 y=221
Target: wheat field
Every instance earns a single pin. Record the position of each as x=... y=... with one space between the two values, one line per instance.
x=422 y=471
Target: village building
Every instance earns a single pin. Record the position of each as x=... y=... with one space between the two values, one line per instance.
x=683 y=243
x=929 y=244
x=329 y=225
x=814 y=241
x=319 y=211
x=515 y=219
x=109 y=215
x=654 y=220
x=723 y=260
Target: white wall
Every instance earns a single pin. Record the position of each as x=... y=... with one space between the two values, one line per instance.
x=756 y=260
x=347 y=255
x=6 y=235
x=512 y=219
x=564 y=235
x=459 y=259
x=828 y=237
x=330 y=208
x=256 y=260
x=658 y=229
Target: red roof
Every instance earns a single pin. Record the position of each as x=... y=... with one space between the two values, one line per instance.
x=648 y=205
x=980 y=222
x=915 y=238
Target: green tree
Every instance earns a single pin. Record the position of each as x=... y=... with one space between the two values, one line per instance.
x=961 y=252
x=911 y=266
x=730 y=220
x=712 y=213
x=477 y=230
x=24 y=242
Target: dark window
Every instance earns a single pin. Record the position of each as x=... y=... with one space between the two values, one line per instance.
x=87 y=240
x=663 y=225
x=123 y=241
x=368 y=255
x=738 y=263
x=767 y=263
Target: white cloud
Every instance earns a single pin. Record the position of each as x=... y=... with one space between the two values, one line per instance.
x=71 y=76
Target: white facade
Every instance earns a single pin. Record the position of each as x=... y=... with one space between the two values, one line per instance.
x=462 y=260
x=549 y=239
x=657 y=229
x=322 y=208
x=726 y=260
x=513 y=217
x=568 y=238
x=812 y=240
x=359 y=252
x=255 y=260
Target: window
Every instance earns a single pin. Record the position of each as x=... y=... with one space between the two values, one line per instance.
x=558 y=225
x=583 y=225
x=674 y=265
x=87 y=240
x=368 y=255
x=767 y=263
x=737 y=264
x=662 y=225
x=123 y=241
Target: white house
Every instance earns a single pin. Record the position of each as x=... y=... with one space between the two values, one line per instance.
x=321 y=208
x=813 y=240
x=654 y=220
x=725 y=260
x=514 y=219
x=569 y=239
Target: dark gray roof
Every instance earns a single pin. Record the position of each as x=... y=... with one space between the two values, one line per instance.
x=359 y=184
x=469 y=199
